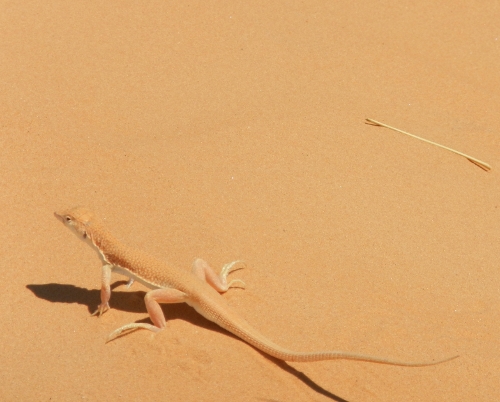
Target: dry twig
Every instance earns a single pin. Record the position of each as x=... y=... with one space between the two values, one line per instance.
x=481 y=164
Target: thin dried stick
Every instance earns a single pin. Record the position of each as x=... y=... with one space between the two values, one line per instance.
x=481 y=164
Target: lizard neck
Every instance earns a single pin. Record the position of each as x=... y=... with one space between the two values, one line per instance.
x=102 y=241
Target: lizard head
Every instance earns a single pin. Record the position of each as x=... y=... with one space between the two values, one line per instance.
x=77 y=219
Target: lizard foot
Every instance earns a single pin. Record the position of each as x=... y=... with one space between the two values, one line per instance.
x=103 y=307
x=232 y=266
x=130 y=328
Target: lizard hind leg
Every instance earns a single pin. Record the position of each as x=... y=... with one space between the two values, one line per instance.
x=152 y=300
x=219 y=282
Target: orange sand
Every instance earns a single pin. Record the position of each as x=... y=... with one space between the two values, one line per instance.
x=236 y=131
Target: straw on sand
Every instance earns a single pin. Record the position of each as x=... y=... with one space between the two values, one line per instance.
x=481 y=164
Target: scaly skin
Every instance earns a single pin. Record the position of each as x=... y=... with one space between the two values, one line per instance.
x=200 y=290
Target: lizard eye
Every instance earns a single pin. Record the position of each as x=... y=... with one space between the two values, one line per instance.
x=68 y=219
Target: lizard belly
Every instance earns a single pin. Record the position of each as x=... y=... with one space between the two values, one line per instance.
x=123 y=271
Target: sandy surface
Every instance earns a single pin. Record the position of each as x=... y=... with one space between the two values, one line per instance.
x=237 y=132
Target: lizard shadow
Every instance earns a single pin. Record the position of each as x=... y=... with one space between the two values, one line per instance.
x=133 y=301
x=129 y=301
x=203 y=322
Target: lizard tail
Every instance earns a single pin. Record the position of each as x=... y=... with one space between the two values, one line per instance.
x=260 y=342
x=239 y=327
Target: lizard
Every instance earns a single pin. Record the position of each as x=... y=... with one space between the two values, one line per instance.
x=200 y=289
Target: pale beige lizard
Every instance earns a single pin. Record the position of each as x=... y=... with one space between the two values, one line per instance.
x=199 y=289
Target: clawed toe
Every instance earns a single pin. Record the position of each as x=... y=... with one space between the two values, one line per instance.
x=130 y=328
x=232 y=266
x=231 y=284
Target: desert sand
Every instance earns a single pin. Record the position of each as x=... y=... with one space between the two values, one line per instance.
x=236 y=130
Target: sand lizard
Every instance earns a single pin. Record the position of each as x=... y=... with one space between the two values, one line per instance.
x=200 y=289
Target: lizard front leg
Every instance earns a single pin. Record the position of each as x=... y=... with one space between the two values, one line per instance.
x=105 y=290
